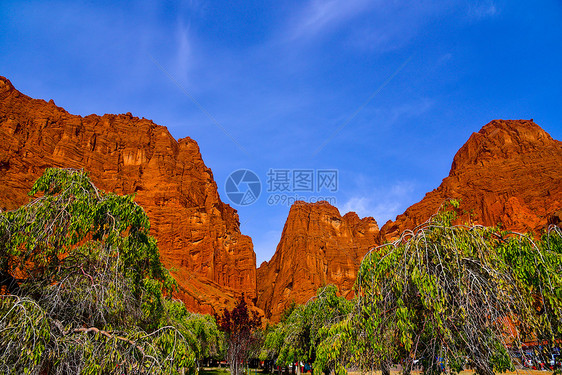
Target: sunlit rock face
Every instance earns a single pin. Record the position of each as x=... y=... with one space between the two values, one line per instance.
x=510 y=172
x=318 y=247
x=198 y=235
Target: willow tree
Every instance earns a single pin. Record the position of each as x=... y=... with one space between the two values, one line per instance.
x=83 y=285
x=200 y=331
x=455 y=296
x=298 y=337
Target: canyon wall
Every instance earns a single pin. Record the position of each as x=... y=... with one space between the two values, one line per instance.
x=318 y=247
x=198 y=235
x=510 y=172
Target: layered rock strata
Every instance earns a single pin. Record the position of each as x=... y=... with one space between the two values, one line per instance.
x=318 y=247
x=198 y=235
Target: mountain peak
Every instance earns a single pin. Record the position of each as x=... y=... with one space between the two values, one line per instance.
x=501 y=139
x=318 y=246
x=509 y=173
x=302 y=207
x=5 y=84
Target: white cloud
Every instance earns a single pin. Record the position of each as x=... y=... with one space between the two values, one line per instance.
x=356 y=204
x=382 y=204
x=369 y=25
x=413 y=108
x=482 y=9
x=324 y=16
x=184 y=53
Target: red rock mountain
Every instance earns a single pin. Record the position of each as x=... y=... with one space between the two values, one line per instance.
x=318 y=246
x=510 y=172
x=198 y=235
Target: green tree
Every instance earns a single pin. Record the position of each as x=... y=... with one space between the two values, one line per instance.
x=455 y=295
x=305 y=329
x=201 y=332
x=84 y=286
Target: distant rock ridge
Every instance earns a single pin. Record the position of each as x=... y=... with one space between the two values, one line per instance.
x=198 y=235
x=509 y=173
x=318 y=247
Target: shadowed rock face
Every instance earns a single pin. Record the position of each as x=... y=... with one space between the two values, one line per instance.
x=198 y=235
x=510 y=172
x=318 y=246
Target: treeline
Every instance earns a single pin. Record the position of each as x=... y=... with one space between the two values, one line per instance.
x=442 y=298
x=84 y=291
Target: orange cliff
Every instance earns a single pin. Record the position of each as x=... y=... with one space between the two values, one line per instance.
x=198 y=235
x=318 y=247
x=510 y=172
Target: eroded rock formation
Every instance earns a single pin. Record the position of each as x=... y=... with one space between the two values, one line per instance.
x=198 y=235
x=318 y=247
x=510 y=172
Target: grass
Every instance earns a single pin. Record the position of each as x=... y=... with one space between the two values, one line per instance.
x=214 y=371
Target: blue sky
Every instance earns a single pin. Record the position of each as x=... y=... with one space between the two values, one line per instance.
x=385 y=92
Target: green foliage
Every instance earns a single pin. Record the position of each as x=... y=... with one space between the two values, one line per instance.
x=447 y=295
x=84 y=287
x=288 y=311
x=301 y=336
x=201 y=331
x=334 y=351
x=452 y=294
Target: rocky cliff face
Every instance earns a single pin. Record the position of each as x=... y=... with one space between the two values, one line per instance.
x=198 y=235
x=318 y=246
x=510 y=172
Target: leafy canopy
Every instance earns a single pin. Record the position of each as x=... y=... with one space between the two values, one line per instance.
x=455 y=295
x=84 y=287
x=304 y=334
